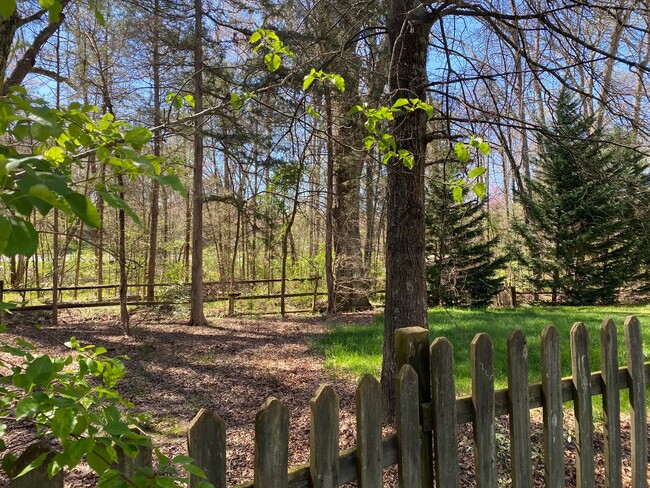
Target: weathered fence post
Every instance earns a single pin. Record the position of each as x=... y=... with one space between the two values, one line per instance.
x=552 y=409
x=324 y=438
x=232 y=296
x=412 y=348
x=271 y=445
x=206 y=444
x=130 y=466
x=483 y=406
x=409 y=431
x=369 y=446
x=313 y=303
x=518 y=410
x=2 y=292
x=584 y=432
x=443 y=393
x=638 y=414
x=38 y=476
x=513 y=296
x=611 y=404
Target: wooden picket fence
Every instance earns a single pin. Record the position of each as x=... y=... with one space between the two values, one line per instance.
x=425 y=445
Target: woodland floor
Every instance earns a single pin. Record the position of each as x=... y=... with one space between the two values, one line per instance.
x=232 y=367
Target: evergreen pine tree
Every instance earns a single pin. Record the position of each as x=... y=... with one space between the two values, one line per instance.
x=462 y=269
x=577 y=241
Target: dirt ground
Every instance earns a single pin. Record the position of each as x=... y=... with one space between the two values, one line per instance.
x=231 y=367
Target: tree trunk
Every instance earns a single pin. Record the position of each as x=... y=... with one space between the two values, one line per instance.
x=157 y=151
x=197 y=316
x=406 y=292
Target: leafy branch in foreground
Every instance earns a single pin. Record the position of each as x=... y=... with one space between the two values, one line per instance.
x=73 y=400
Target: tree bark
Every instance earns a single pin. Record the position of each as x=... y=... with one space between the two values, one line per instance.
x=157 y=151
x=197 y=316
x=406 y=293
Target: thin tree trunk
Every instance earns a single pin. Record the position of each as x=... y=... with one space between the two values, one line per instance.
x=197 y=316
x=157 y=150
x=329 y=204
x=121 y=256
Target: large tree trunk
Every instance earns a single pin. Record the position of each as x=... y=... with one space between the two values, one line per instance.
x=197 y=316
x=406 y=293
x=350 y=288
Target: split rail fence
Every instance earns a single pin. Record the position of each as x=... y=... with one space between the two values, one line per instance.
x=213 y=291
x=425 y=445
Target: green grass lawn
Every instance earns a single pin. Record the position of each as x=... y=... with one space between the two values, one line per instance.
x=357 y=348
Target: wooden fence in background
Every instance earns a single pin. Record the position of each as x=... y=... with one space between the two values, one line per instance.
x=425 y=445
x=214 y=291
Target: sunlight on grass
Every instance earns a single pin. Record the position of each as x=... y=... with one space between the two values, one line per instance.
x=357 y=348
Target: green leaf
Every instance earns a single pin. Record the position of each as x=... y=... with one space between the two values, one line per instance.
x=84 y=209
x=458 y=194
x=235 y=101
x=63 y=423
x=7 y=8
x=273 y=61
x=255 y=37
x=484 y=147
x=401 y=102
x=312 y=111
x=53 y=8
x=355 y=110
x=339 y=83
x=27 y=407
x=40 y=370
x=173 y=182
x=461 y=152
x=116 y=202
x=368 y=142
x=138 y=137
x=5 y=231
x=479 y=189
x=21 y=239
x=476 y=172
x=308 y=80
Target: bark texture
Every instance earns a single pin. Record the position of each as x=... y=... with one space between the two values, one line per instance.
x=406 y=294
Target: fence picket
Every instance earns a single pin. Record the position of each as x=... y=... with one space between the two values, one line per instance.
x=519 y=410
x=206 y=444
x=37 y=477
x=443 y=391
x=369 y=449
x=638 y=413
x=324 y=438
x=553 y=414
x=409 y=449
x=483 y=409
x=271 y=445
x=412 y=347
x=128 y=465
x=584 y=432
x=611 y=404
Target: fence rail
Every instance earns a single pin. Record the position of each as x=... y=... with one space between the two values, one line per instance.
x=215 y=291
x=428 y=414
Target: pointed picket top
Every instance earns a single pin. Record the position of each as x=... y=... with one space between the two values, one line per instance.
x=611 y=403
x=271 y=445
x=443 y=391
x=518 y=408
x=206 y=444
x=481 y=355
x=638 y=412
x=324 y=438
x=369 y=446
x=553 y=412
x=584 y=432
